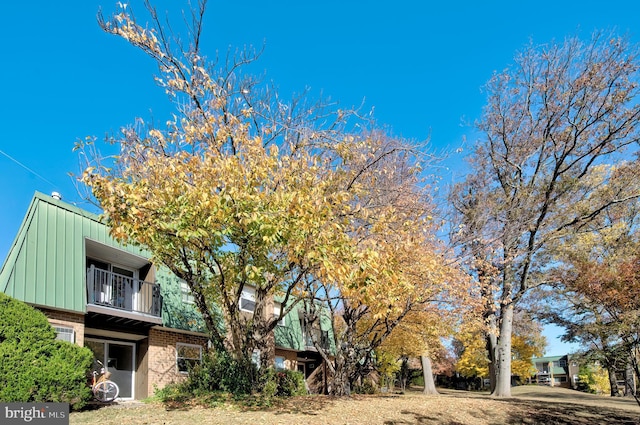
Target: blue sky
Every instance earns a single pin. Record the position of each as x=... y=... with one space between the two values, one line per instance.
x=420 y=65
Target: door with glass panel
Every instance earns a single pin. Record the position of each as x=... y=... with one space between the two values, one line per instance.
x=119 y=359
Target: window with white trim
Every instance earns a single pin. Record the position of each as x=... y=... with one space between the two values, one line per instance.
x=277 y=308
x=248 y=299
x=64 y=333
x=187 y=295
x=279 y=363
x=187 y=356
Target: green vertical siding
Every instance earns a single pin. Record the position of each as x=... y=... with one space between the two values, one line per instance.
x=290 y=335
x=46 y=267
x=46 y=263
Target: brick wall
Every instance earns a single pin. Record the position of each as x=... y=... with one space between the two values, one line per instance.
x=67 y=320
x=290 y=358
x=162 y=356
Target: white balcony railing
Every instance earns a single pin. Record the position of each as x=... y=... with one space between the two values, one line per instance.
x=123 y=292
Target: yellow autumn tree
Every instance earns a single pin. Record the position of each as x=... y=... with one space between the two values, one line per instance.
x=410 y=279
x=473 y=357
x=523 y=351
x=240 y=190
x=418 y=336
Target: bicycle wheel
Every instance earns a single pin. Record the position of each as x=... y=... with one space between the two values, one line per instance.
x=106 y=391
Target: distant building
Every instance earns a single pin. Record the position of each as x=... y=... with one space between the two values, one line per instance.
x=556 y=371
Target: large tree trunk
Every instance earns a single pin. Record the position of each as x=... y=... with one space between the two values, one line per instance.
x=613 y=382
x=427 y=373
x=340 y=385
x=629 y=381
x=492 y=349
x=503 y=354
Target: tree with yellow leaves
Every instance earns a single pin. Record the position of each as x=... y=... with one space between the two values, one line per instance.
x=241 y=191
x=473 y=356
x=473 y=360
x=419 y=336
x=409 y=286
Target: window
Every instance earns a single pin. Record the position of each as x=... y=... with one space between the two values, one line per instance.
x=65 y=334
x=277 y=307
x=563 y=363
x=280 y=365
x=187 y=296
x=187 y=356
x=248 y=299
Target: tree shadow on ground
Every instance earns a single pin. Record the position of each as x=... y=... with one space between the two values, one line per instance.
x=531 y=412
x=559 y=413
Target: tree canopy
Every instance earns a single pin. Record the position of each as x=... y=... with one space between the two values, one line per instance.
x=242 y=190
x=551 y=120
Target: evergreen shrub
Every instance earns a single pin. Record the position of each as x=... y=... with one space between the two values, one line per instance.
x=34 y=366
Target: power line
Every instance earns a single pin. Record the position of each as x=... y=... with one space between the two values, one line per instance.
x=27 y=168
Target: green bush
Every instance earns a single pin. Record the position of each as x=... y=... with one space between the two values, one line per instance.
x=173 y=393
x=417 y=380
x=269 y=383
x=34 y=366
x=218 y=371
x=19 y=322
x=367 y=387
x=282 y=383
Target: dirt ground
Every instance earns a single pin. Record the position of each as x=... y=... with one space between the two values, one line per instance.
x=529 y=405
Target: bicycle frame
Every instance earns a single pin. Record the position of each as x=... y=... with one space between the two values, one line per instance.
x=104 y=390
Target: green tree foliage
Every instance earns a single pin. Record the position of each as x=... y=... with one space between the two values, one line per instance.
x=594 y=379
x=34 y=366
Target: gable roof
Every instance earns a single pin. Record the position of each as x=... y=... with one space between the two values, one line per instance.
x=45 y=265
x=548 y=359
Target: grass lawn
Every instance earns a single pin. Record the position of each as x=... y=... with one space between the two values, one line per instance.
x=529 y=405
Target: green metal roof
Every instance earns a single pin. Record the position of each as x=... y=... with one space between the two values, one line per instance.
x=556 y=370
x=548 y=359
x=46 y=262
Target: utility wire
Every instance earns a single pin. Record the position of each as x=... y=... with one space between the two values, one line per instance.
x=27 y=168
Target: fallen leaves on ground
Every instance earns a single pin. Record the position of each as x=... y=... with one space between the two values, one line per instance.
x=529 y=406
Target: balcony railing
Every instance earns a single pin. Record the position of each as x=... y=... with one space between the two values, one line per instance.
x=322 y=337
x=123 y=292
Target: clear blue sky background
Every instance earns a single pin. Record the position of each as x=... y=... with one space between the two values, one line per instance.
x=420 y=64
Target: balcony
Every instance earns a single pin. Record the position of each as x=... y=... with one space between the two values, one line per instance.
x=123 y=296
x=322 y=337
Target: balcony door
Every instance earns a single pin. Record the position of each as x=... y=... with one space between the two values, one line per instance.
x=123 y=281
x=116 y=286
